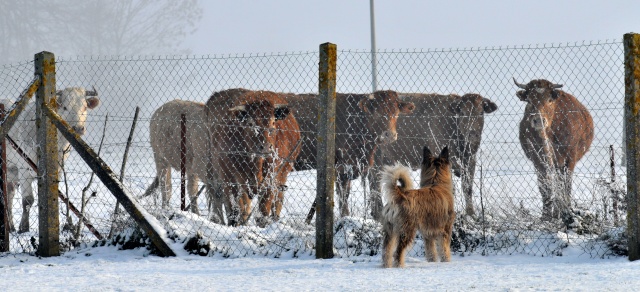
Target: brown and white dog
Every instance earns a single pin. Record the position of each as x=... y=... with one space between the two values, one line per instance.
x=428 y=209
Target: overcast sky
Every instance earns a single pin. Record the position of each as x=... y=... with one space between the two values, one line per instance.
x=250 y=26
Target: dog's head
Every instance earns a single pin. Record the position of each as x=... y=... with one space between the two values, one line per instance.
x=435 y=170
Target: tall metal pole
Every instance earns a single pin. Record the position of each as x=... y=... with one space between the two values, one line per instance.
x=374 y=61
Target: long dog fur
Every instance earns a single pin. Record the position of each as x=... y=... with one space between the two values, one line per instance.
x=428 y=209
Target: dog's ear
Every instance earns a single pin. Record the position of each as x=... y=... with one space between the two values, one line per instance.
x=444 y=154
x=426 y=156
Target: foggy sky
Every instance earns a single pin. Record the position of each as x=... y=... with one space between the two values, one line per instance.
x=248 y=26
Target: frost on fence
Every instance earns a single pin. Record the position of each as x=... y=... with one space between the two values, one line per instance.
x=465 y=99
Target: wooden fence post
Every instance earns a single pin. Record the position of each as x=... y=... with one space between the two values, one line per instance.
x=47 y=152
x=326 y=150
x=4 y=200
x=632 y=134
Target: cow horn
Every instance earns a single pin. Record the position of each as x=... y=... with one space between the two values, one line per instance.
x=556 y=86
x=237 y=108
x=372 y=96
x=92 y=92
x=518 y=84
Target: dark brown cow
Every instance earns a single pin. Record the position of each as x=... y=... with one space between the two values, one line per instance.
x=363 y=121
x=242 y=136
x=438 y=121
x=555 y=132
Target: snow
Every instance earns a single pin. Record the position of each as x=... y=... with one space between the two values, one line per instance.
x=108 y=269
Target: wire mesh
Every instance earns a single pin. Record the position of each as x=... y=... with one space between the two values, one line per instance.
x=496 y=178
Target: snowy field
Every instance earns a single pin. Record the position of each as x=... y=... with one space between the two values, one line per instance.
x=106 y=269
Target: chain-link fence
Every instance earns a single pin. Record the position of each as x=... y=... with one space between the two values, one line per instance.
x=498 y=202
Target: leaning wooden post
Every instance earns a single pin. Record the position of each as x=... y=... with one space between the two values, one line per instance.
x=47 y=153
x=632 y=140
x=4 y=197
x=326 y=150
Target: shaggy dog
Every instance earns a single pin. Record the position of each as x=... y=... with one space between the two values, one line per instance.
x=428 y=209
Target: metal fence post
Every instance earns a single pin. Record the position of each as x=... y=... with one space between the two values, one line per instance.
x=47 y=152
x=4 y=200
x=632 y=134
x=326 y=150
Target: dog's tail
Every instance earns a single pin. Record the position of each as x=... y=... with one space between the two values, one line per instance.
x=395 y=176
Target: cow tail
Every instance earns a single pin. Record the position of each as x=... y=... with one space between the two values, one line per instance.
x=154 y=185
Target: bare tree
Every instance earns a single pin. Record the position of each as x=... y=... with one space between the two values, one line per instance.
x=95 y=27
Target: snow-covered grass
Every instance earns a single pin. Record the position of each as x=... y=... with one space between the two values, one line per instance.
x=108 y=269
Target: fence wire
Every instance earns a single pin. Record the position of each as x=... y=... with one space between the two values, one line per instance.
x=497 y=199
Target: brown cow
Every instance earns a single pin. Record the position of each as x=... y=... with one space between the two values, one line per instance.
x=363 y=121
x=242 y=136
x=555 y=132
x=437 y=121
x=277 y=168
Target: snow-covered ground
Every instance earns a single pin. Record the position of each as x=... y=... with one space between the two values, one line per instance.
x=107 y=269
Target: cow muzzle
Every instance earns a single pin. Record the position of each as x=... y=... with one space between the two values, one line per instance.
x=387 y=137
x=538 y=122
x=79 y=130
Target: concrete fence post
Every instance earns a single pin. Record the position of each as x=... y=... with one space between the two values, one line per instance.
x=326 y=150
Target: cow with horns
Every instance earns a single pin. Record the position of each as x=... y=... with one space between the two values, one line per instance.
x=555 y=133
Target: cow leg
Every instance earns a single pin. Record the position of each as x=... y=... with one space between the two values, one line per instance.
x=344 y=187
x=215 y=196
x=264 y=204
x=375 y=195
x=564 y=196
x=545 y=187
x=192 y=186
x=232 y=204
x=277 y=205
x=468 y=174
x=11 y=192
x=27 y=202
x=165 y=186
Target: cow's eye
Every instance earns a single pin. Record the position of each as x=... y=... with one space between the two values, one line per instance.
x=64 y=108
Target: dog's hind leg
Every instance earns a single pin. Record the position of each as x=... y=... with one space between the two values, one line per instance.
x=389 y=244
x=406 y=238
x=430 y=250
x=445 y=248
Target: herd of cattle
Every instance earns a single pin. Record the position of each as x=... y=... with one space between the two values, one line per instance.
x=242 y=144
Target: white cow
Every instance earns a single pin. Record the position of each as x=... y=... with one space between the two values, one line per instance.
x=164 y=131
x=73 y=104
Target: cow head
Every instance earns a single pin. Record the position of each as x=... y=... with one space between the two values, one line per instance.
x=472 y=104
x=257 y=117
x=73 y=104
x=382 y=109
x=540 y=96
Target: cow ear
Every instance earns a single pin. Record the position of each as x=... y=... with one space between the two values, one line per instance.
x=93 y=102
x=488 y=106
x=281 y=113
x=454 y=107
x=521 y=95
x=366 y=105
x=406 y=107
